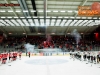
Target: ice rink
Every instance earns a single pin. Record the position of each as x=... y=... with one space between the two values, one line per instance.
x=49 y=65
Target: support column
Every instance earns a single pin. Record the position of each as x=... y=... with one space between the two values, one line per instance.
x=45 y=14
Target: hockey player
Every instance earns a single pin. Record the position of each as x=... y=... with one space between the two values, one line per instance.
x=29 y=54
x=84 y=56
x=0 y=58
x=20 y=55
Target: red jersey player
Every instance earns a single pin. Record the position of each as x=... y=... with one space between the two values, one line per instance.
x=0 y=58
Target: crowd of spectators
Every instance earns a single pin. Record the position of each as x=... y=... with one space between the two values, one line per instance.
x=65 y=43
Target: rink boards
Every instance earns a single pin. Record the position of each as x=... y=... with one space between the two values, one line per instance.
x=56 y=53
x=48 y=54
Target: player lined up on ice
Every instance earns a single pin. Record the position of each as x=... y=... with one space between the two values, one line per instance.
x=4 y=57
x=98 y=58
x=0 y=58
x=72 y=55
x=20 y=53
x=90 y=57
x=29 y=54
x=11 y=56
x=77 y=55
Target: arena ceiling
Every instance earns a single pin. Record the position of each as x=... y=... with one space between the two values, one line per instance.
x=39 y=17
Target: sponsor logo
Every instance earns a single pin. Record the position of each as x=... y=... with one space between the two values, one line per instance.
x=93 y=10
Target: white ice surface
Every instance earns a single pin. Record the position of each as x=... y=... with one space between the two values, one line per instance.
x=68 y=67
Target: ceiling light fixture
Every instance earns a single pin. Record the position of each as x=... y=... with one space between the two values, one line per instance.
x=22 y=17
x=9 y=17
x=15 y=17
x=53 y=17
x=52 y=33
x=40 y=11
x=17 y=11
x=39 y=33
x=81 y=33
x=66 y=17
x=33 y=11
x=2 y=11
x=25 y=10
x=10 y=33
x=47 y=17
x=48 y=11
x=89 y=17
x=24 y=33
x=72 y=17
x=3 y=17
x=55 y=11
x=62 y=11
x=69 y=11
x=10 y=11
x=83 y=17
x=76 y=11
x=95 y=18
x=68 y=33
x=59 y=17
x=78 y=17
x=29 y=17
x=41 y=17
x=34 y=17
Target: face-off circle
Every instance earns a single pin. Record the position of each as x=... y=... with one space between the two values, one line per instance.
x=46 y=61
